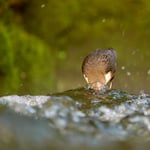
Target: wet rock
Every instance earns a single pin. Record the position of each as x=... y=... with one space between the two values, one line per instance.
x=75 y=119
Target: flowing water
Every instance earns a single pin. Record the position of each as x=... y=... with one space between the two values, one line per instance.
x=75 y=119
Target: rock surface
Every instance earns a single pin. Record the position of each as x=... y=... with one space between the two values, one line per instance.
x=75 y=119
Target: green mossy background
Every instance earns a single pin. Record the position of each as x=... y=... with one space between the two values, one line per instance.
x=22 y=62
x=43 y=43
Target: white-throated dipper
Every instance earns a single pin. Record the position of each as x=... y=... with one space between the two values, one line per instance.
x=98 y=68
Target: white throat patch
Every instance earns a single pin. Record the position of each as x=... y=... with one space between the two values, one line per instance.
x=86 y=78
x=108 y=76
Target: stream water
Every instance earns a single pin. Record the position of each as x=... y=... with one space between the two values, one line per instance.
x=75 y=119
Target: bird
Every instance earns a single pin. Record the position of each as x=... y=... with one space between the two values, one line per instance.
x=99 y=68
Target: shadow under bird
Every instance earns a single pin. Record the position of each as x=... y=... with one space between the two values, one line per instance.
x=99 y=68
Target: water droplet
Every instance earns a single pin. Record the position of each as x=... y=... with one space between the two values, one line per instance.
x=148 y=72
x=123 y=67
x=43 y=5
x=103 y=20
x=128 y=73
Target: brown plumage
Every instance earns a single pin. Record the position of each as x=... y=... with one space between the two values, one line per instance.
x=99 y=67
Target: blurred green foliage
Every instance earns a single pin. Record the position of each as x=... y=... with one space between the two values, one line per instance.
x=68 y=23
x=24 y=62
x=69 y=30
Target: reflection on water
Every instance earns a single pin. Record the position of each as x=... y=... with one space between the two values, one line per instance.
x=75 y=119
